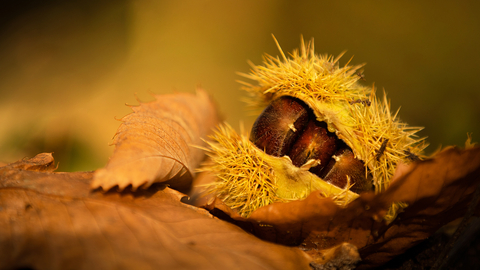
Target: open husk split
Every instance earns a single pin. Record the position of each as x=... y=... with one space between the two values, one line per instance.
x=248 y=178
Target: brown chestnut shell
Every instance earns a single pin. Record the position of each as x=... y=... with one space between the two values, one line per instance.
x=288 y=127
x=277 y=128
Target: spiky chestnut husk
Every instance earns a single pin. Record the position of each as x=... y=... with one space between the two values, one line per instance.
x=350 y=110
x=249 y=178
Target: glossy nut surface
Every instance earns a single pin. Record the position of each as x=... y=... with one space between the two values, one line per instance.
x=289 y=127
x=344 y=163
x=315 y=142
x=277 y=128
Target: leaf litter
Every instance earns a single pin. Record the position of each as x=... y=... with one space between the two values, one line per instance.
x=55 y=221
x=437 y=190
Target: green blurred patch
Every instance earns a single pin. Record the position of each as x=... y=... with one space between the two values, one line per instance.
x=71 y=152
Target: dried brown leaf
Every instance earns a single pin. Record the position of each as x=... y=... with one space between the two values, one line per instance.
x=156 y=142
x=343 y=256
x=42 y=162
x=437 y=191
x=54 y=221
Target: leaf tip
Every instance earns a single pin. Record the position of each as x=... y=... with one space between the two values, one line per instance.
x=468 y=143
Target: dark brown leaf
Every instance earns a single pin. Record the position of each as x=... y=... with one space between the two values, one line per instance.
x=53 y=221
x=437 y=191
x=157 y=142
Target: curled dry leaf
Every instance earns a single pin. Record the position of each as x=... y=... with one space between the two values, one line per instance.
x=156 y=142
x=54 y=221
x=41 y=162
x=437 y=191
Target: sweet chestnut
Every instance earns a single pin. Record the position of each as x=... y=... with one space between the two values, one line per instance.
x=342 y=164
x=289 y=127
x=315 y=142
x=322 y=130
x=277 y=128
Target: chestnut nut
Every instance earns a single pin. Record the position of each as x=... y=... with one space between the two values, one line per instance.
x=289 y=127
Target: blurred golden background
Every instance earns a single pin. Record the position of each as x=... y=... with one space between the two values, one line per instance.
x=68 y=67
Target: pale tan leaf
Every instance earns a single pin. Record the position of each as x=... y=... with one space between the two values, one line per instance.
x=54 y=221
x=156 y=142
